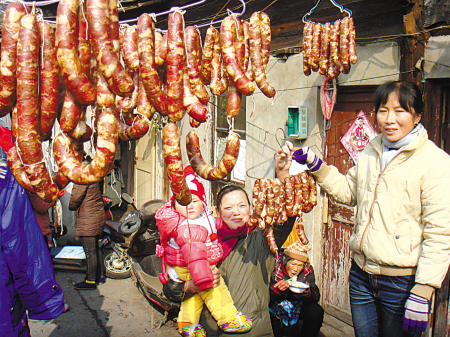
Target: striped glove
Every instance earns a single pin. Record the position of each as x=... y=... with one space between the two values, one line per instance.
x=416 y=313
x=306 y=156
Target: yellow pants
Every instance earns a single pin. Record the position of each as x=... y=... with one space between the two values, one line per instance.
x=218 y=300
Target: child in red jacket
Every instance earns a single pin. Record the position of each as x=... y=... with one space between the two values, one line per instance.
x=190 y=248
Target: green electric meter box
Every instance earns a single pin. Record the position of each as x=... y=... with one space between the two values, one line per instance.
x=297 y=122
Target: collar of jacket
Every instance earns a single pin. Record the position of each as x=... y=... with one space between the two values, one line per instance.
x=417 y=143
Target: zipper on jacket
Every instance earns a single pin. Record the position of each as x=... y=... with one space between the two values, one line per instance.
x=373 y=202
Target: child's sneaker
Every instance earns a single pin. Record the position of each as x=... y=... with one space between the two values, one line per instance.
x=239 y=323
x=193 y=330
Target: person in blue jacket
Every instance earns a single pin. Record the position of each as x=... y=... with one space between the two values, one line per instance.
x=27 y=278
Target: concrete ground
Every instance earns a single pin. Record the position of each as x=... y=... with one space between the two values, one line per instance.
x=118 y=309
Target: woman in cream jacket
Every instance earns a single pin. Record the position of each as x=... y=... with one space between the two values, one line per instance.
x=400 y=243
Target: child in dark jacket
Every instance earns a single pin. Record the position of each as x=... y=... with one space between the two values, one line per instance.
x=190 y=248
x=292 y=313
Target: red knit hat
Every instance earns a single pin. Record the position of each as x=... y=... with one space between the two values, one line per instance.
x=194 y=183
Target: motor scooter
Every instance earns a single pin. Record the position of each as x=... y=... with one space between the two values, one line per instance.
x=145 y=265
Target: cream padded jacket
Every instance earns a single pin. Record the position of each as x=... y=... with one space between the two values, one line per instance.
x=403 y=212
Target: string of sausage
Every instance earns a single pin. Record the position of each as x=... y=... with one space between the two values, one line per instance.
x=329 y=48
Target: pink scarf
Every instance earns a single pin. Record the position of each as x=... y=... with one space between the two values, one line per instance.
x=229 y=237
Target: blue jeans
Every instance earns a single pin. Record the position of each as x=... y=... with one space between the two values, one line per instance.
x=377 y=303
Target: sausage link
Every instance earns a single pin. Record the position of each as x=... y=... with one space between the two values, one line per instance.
x=8 y=64
x=193 y=123
x=114 y=26
x=17 y=169
x=234 y=100
x=312 y=200
x=207 y=55
x=334 y=45
x=248 y=72
x=256 y=57
x=14 y=124
x=325 y=49
x=233 y=68
x=298 y=196
x=161 y=51
x=191 y=102
x=193 y=62
x=219 y=84
x=82 y=131
x=70 y=113
x=344 y=44
x=306 y=47
x=300 y=229
x=127 y=104
x=256 y=210
x=105 y=98
x=104 y=49
x=144 y=106
x=28 y=135
x=48 y=81
x=266 y=38
x=106 y=147
x=289 y=196
x=262 y=201
x=84 y=48
x=134 y=132
x=278 y=206
x=175 y=61
x=226 y=164
x=129 y=48
x=149 y=74
x=305 y=191
x=352 y=43
x=282 y=218
x=66 y=37
x=172 y=158
x=271 y=239
x=270 y=203
x=315 y=48
x=333 y=71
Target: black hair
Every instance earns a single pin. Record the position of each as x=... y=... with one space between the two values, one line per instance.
x=409 y=95
x=228 y=189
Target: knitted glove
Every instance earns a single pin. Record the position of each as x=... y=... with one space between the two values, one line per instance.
x=416 y=313
x=306 y=156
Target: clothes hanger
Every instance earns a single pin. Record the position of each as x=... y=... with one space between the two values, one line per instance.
x=336 y=4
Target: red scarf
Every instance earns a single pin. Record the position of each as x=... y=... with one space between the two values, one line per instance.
x=229 y=237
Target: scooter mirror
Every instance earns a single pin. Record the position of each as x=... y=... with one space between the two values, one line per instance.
x=128 y=198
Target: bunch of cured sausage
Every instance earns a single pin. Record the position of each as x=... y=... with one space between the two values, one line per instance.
x=123 y=75
x=274 y=201
x=329 y=48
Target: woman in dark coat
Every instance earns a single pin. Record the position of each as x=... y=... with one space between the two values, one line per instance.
x=87 y=201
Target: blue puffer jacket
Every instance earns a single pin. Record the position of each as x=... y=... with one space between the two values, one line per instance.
x=27 y=278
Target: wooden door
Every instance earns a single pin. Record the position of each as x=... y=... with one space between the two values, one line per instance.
x=340 y=220
x=436 y=119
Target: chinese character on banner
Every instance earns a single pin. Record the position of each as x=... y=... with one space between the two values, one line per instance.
x=360 y=133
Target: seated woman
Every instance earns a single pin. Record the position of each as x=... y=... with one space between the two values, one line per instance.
x=292 y=313
x=247 y=260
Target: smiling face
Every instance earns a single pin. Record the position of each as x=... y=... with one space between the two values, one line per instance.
x=191 y=211
x=234 y=209
x=294 y=267
x=394 y=121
